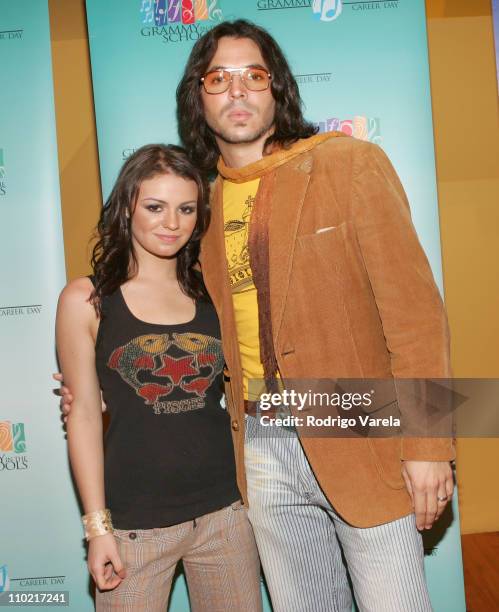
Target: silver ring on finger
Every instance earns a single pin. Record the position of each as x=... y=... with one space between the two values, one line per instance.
x=442 y=499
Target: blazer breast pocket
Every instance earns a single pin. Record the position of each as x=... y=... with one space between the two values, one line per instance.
x=324 y=232
x=325 y=241
x=322 y=248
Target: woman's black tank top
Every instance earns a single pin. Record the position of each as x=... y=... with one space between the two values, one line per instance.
x=168 y=449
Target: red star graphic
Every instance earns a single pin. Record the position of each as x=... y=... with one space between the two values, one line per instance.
x=176 y=369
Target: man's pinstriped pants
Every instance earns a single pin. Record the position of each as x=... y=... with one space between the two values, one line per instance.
x=299 y=535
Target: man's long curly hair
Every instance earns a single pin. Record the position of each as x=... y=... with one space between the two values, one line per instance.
x=113 y=258
x=196 y=136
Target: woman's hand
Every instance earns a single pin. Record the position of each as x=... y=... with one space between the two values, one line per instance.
x=104 y=562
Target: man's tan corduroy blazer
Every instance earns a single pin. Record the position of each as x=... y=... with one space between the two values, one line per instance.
x=355 y=300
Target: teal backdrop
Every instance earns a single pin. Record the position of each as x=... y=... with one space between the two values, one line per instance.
x=41 y=545
x=362 y=67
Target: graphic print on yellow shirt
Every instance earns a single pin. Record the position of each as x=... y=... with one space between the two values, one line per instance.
x=238 y=200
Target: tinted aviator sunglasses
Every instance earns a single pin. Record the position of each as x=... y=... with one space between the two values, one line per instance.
x=218 y=81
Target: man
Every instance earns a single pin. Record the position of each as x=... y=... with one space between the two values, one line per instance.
x=344 y=290
x=316 y=272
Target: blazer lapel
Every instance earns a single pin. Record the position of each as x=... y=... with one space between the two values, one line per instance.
x=290 y=188
x=287 y=200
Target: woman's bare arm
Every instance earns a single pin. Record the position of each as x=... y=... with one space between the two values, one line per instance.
x=76 y=329
x=76 y=326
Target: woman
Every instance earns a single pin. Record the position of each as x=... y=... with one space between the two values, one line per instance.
x=143 y=330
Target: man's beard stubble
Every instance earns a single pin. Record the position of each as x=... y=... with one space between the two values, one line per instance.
x=248 y=139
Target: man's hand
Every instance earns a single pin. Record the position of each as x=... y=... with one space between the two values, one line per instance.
x=430 y=485
x=67 y=398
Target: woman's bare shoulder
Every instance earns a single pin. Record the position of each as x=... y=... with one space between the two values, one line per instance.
x=76 y=295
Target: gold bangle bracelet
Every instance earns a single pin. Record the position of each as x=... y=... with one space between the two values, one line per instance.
x=97 y=523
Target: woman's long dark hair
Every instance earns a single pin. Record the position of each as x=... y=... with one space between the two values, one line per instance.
x=196 y=136
x=113 y=258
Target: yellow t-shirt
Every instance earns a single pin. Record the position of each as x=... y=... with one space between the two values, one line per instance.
x=238 y=200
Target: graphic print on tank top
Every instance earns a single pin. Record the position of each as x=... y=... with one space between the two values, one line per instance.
x=171 y=372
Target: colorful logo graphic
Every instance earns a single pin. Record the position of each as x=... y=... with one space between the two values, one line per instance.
x=12 y=447
x=4 y=579
x=164 y=368
x=363 y=128
x=12 y=437
x=327 y=10
x=183 y=12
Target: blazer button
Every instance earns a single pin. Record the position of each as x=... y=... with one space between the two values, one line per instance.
x=235 y=425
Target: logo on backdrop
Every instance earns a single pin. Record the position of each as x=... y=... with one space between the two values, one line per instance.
x=314 y=78
x=12 y=447
x=178 y=20
x=3 y=176
x=5 y=581
x=20 y=311
x=375 y=5
x=125 y=153
x=11 y=34
x=363 y=128
x=326 y=10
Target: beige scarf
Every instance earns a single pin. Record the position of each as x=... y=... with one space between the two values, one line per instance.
x=258 y=241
